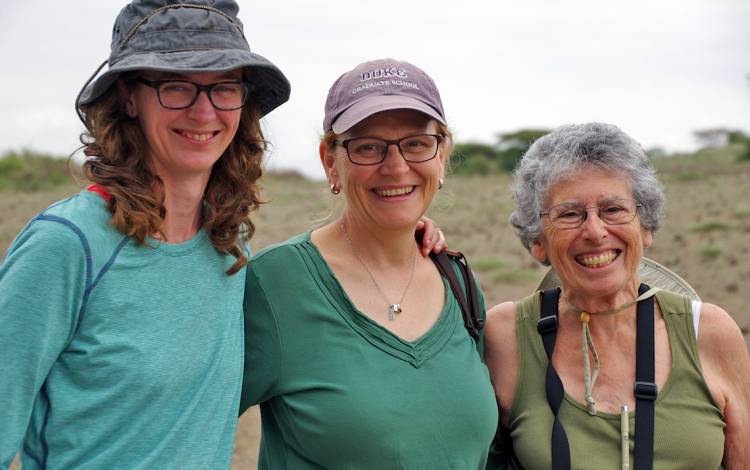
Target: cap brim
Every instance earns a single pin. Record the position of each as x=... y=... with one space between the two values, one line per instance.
x=370 y=105
x=270 y=87
x=651 y=273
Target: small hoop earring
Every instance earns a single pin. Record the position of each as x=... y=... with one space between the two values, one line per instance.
x=440 y=183
x=335 y=189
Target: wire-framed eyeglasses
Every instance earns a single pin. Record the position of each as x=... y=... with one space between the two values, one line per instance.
x=180 y=94
x=373 y=150
x=573 y=215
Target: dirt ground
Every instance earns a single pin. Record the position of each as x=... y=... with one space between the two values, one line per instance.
x=705 y=237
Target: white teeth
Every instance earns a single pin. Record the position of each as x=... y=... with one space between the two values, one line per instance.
x=395 y=191
x=198 y=137
x=597 y=261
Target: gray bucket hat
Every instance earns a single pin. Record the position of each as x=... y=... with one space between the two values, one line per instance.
x=651 y=273
x=186 y=37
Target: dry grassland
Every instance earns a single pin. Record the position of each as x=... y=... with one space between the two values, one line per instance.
x=705 y=238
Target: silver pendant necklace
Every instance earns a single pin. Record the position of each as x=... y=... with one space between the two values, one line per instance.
x=393 y=308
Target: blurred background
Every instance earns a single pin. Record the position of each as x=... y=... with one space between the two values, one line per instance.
x=660 y=70
x=674 y=75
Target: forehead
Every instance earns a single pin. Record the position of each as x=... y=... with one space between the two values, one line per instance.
x=397 y=121
x=589 y=185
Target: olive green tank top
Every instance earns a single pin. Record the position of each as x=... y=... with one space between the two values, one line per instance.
x=688 y=426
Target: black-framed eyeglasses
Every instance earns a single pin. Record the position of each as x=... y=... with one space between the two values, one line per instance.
x=573 y=215
x=373 y=150
x=181 y=94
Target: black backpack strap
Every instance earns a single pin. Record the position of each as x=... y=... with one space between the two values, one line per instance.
x=547 y=328
x=468 y=302
x=645 y=388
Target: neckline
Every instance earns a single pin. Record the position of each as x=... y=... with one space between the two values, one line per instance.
x=155 y=245
x=663 y=391
x=415 y=352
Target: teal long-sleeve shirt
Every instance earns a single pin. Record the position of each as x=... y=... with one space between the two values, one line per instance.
x=115 y=355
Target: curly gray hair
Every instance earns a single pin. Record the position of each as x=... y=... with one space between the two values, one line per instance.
x=558 y=155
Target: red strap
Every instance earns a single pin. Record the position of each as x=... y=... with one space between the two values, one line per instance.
x=100 y=190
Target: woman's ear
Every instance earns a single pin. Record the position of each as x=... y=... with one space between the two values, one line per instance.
x=538 y=251
x=647 y=236
x=328 y=160
x=128 y=99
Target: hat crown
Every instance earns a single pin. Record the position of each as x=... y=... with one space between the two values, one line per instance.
x=173 y=25
x=380 y=77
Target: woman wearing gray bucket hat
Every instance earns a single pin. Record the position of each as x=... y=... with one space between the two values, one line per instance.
x=608 y=371
x=356 y=348
x=122 y=330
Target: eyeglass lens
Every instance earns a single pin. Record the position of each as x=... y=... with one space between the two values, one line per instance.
x=182 y=94
x=612 y=212
x=373 y=150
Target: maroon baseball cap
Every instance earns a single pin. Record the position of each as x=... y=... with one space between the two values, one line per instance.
x=380 y=85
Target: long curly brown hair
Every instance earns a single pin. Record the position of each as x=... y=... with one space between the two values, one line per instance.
x=116 y=146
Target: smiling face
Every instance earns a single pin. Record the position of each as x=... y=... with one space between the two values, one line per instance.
x=185 y=141
x=595 y=259
x=394 y=194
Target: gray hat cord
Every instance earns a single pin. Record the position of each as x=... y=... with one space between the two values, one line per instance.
x=181 y=37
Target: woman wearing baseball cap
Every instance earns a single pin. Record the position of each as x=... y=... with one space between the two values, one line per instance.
x=355 y=344
x=122 y=332
x=121 y=306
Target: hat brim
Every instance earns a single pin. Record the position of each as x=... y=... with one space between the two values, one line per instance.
x=651 y=273
x=370 y=105
x=270 y=88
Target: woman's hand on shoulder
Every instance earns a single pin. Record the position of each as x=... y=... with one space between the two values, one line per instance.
x=726 y=367
x=432 y=238
x=501 y=354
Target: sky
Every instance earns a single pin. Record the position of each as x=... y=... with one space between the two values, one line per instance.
x=658 y=69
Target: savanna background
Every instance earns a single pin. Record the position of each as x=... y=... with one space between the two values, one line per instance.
x=705 y=237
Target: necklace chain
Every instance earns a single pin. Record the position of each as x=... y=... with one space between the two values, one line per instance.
x=393 y=308
x=587 y=345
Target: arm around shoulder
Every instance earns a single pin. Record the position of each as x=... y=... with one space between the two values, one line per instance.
x=263 y=350
x=501 y=354
x=726 y=367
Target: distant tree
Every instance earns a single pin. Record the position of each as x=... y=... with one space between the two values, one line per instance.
x=474 y=158
x=513 y=145
x=480 y=158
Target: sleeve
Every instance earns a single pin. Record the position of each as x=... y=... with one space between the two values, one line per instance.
x=42 y=281
x=263 y=348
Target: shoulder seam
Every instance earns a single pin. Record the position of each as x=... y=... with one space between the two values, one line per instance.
x=90 y=287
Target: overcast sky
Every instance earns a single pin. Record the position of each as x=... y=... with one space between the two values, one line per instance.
x=657 y=68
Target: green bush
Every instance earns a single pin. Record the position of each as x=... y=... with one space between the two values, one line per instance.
x=31 y=171
x=711 y=226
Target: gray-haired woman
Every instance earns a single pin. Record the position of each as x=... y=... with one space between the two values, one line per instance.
x=588 y=203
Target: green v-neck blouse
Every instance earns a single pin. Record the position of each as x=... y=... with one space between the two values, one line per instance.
x=337 y=390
